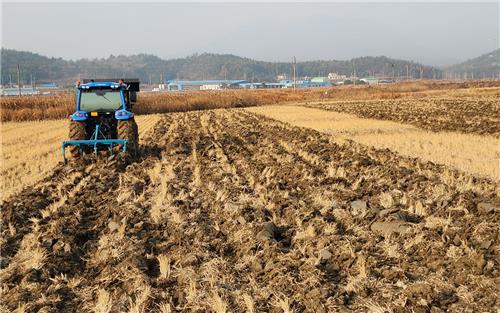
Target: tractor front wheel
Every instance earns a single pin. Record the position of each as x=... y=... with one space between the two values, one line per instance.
x=76 y=132
x=128 y=130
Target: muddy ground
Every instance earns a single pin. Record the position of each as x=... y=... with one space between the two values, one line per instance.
x=479 y=115
x=227 y=211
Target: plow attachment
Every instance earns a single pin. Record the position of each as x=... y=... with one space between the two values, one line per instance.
x=95 y=143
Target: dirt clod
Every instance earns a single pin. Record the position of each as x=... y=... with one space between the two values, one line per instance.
x=486 y=208
x=358 y=207
x=268 y=231
x=387 y=228
x=480 y=263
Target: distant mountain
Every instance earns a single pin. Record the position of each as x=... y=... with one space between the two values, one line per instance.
x=198 y=66
x=484 y=66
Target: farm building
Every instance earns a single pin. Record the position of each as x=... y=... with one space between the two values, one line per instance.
x=185 y=85
x=370 y=80
x=261 y=85
x=25 y=91
x=180 y=85
x=318 y=82
x=306 y=84
x=47 y=86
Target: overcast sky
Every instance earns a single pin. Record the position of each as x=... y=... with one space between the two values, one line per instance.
x=432 y=33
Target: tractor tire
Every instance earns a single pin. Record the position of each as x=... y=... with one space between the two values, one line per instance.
x=128 y=130
x=76 y=132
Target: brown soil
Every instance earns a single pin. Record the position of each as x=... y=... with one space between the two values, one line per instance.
x=479 y=116
x=229 y=211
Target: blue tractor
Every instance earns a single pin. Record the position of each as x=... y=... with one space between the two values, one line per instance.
x=103 y=119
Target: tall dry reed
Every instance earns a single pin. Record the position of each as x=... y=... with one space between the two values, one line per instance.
x=31 y=108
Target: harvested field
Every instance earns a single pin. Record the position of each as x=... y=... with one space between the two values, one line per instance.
x=228 y=211
x=477 y=115
x=30 y=150
x=478 y=155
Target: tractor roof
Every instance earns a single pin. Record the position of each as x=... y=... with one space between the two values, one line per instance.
x=132 y=83
x=111 y=85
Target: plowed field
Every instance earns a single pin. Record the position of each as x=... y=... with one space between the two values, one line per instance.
x=228 y=211
x=476 y=115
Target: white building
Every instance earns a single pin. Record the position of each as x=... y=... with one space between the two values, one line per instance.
x=336 y=76
x=211 y=87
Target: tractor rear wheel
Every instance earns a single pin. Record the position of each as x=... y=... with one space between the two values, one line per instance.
x=128 y=130
x=76 y=132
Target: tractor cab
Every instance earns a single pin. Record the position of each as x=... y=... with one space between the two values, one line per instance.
x=96 y=99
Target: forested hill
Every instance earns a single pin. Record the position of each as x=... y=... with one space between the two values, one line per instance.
x=199 y=66
x=484 y=66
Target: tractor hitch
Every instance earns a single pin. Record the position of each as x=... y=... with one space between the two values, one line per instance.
x=97 y=140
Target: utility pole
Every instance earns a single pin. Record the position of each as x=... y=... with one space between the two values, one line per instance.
x=407 y=72
x=354 y=72
x=19 y=80
x=294 y=73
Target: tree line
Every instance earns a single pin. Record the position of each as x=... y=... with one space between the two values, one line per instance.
x=150 y=68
